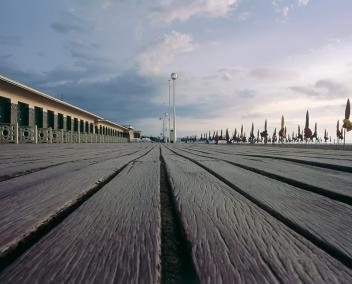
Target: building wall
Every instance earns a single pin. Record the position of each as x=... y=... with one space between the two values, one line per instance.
x=17 y=94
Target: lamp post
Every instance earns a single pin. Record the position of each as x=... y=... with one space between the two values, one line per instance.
x=169 y=132
x=174 y=77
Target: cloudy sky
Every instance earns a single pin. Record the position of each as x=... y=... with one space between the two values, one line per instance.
x=238 y=60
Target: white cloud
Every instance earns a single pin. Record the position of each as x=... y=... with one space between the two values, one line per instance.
x=106 y=4
x=184 y=10
x=163 y=52
x=284 y=7
x=303 y=2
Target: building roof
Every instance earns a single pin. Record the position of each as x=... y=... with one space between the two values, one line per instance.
x=50 y=98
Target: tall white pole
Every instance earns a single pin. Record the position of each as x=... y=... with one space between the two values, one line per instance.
x=174 y=77
x=164 y=136
x=169 y=110
x=174 y=126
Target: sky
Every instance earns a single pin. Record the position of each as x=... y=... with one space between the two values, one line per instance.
x=238 y=61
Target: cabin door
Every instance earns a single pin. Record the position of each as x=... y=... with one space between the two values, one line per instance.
x=22 y=114
x=50 y=119
x=38 y=117
x=5 y=110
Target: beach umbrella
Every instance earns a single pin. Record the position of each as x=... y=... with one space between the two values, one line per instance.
x=235 y=134
x=347 y=124
x=338 y=132
x=282 y=133
x=227 y=136
x=307 y=131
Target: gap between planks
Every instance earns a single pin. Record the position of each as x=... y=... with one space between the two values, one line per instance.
x=176 y=260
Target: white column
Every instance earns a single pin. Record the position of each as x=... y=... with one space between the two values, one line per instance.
x=17 y=133
x=36 y=134
x=174 y=114
x=169 y=111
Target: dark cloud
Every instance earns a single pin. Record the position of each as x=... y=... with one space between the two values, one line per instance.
x=123 y=99
x=199 y=110
x=305 y=90
x=5 y=56
x=9 y=40
x=269 y=73
x=333 y=88
x=85 y=52
x=66 y=27
x=70 y=22
x=246 y=94
x=324 y=88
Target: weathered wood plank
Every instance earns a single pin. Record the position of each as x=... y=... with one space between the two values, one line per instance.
x=318 y=217
x=312 y=178
x=28 y=201
x=39 y=157
x=235 y=241
x=342 y=161
x=113 y=237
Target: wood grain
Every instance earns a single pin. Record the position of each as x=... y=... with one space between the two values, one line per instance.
x=307 y=212
x=112 y=238
x=235 y=241
x=26 y=159
x=28 y=201
x=308 y=176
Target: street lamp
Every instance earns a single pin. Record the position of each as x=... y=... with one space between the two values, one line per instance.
x=169 y=132
x=174 y=77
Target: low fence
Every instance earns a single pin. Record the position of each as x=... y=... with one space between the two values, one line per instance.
x=13 y=133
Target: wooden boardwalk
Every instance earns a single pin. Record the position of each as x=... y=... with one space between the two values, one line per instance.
x=186 y=213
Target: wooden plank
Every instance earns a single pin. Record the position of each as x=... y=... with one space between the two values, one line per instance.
x=36 y=158
x=28 y=201
x=235 y=241
x=112 y=237
x=312 y=214
x=341 y=158
x=327 y=151
x=342 y=163
x=329 y=182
